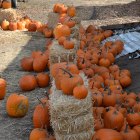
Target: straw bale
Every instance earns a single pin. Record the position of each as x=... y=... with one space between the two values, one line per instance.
x=84 y=135
x=52 y=19
x=9 y=14
x=71 y=118
x=68 y=126
x=60 y=54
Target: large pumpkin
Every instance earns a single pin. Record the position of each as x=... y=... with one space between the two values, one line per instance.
x=28 y=82
x=17 y=105
x=61 y=30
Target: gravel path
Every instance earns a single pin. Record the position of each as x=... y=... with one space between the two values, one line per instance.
x=16 y=45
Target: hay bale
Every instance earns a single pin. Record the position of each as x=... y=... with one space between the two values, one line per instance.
x=60 y=54
x=9 y=14
x=71 y=119
x=52 y=19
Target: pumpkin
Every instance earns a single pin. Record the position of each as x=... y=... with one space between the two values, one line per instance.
x=61 y=40
x=137 y=107
x=55 y=67
x=97 y=98
x=48 y=33
x=133 y=118
x=90 y=29
x=56 y=7
x=110 y=134
x=5 y=25
x=80 y=92
x=129 y=134
x=12 y=26
x=68 y=44
x=20 y=25
x=113 y=120
x=6 y=4
x=32 y=27
x=73 y=68
x=27 y=82
x=27 y=63
x=17 y=105
x=109 y=99
x=62 y=9
x=36 y=54
x=43 y=79
x=108 y=33
x=41 y=118
x=38 y=134
x=137 y=129
x=71 y=11
x=130 y=102
x=3 y=84
x=104 y=62
x=61 y=30
x=40 y=64
x=132 y=95
x=125 y=81
x=69 y=83
x=70 y=23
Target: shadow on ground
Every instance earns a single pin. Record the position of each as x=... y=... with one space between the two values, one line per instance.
x=19 y=128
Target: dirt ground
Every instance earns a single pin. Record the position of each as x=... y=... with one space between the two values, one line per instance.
x=16 y=45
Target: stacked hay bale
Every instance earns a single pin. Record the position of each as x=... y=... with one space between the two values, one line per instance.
x=71 y=119
x=59 y=54
x=9 y=15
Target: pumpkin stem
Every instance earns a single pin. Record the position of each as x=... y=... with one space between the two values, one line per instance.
x=67 y=72
x=41 y=102
x=126 y=128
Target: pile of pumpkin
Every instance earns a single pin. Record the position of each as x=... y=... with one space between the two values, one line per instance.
x=5 y=4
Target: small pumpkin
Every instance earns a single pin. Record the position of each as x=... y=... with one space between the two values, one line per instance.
x=3 y=84
x=80 y=92
x=12 y=26
x=41 y=118
x=129 y=134
x=6 y=4
x=38 y=134
x=69 y=83
x=5 y=25
x=28 y=82
x=43 y=79
x=68 y=44
x=61 y=30
x=40 y=64
x=32 y=27
x=20 y=25
x=61 y=40
x=36 y=54
x=113 y=120
x=107 y=133
x=48 y=33
x=71 y=11
x=17 y=105
x=27 y=63
x=104 y=62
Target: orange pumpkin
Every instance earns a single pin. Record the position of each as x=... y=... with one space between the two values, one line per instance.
x=12 y=26
x=5 y=25
x=32 y=27
x=28 y=82
x=40 y=64
x=36 y=54
x=6 y=4
x=38 y=134
x=71 y=11
x=42 y=79
x=48 y=33
x=17 y=105
x=20 y=25
x=80 y=92
x=61 y=40
x=27 y=63
x=41 y=118
x=68 y=44
x=61 y=30
x=2 y=88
